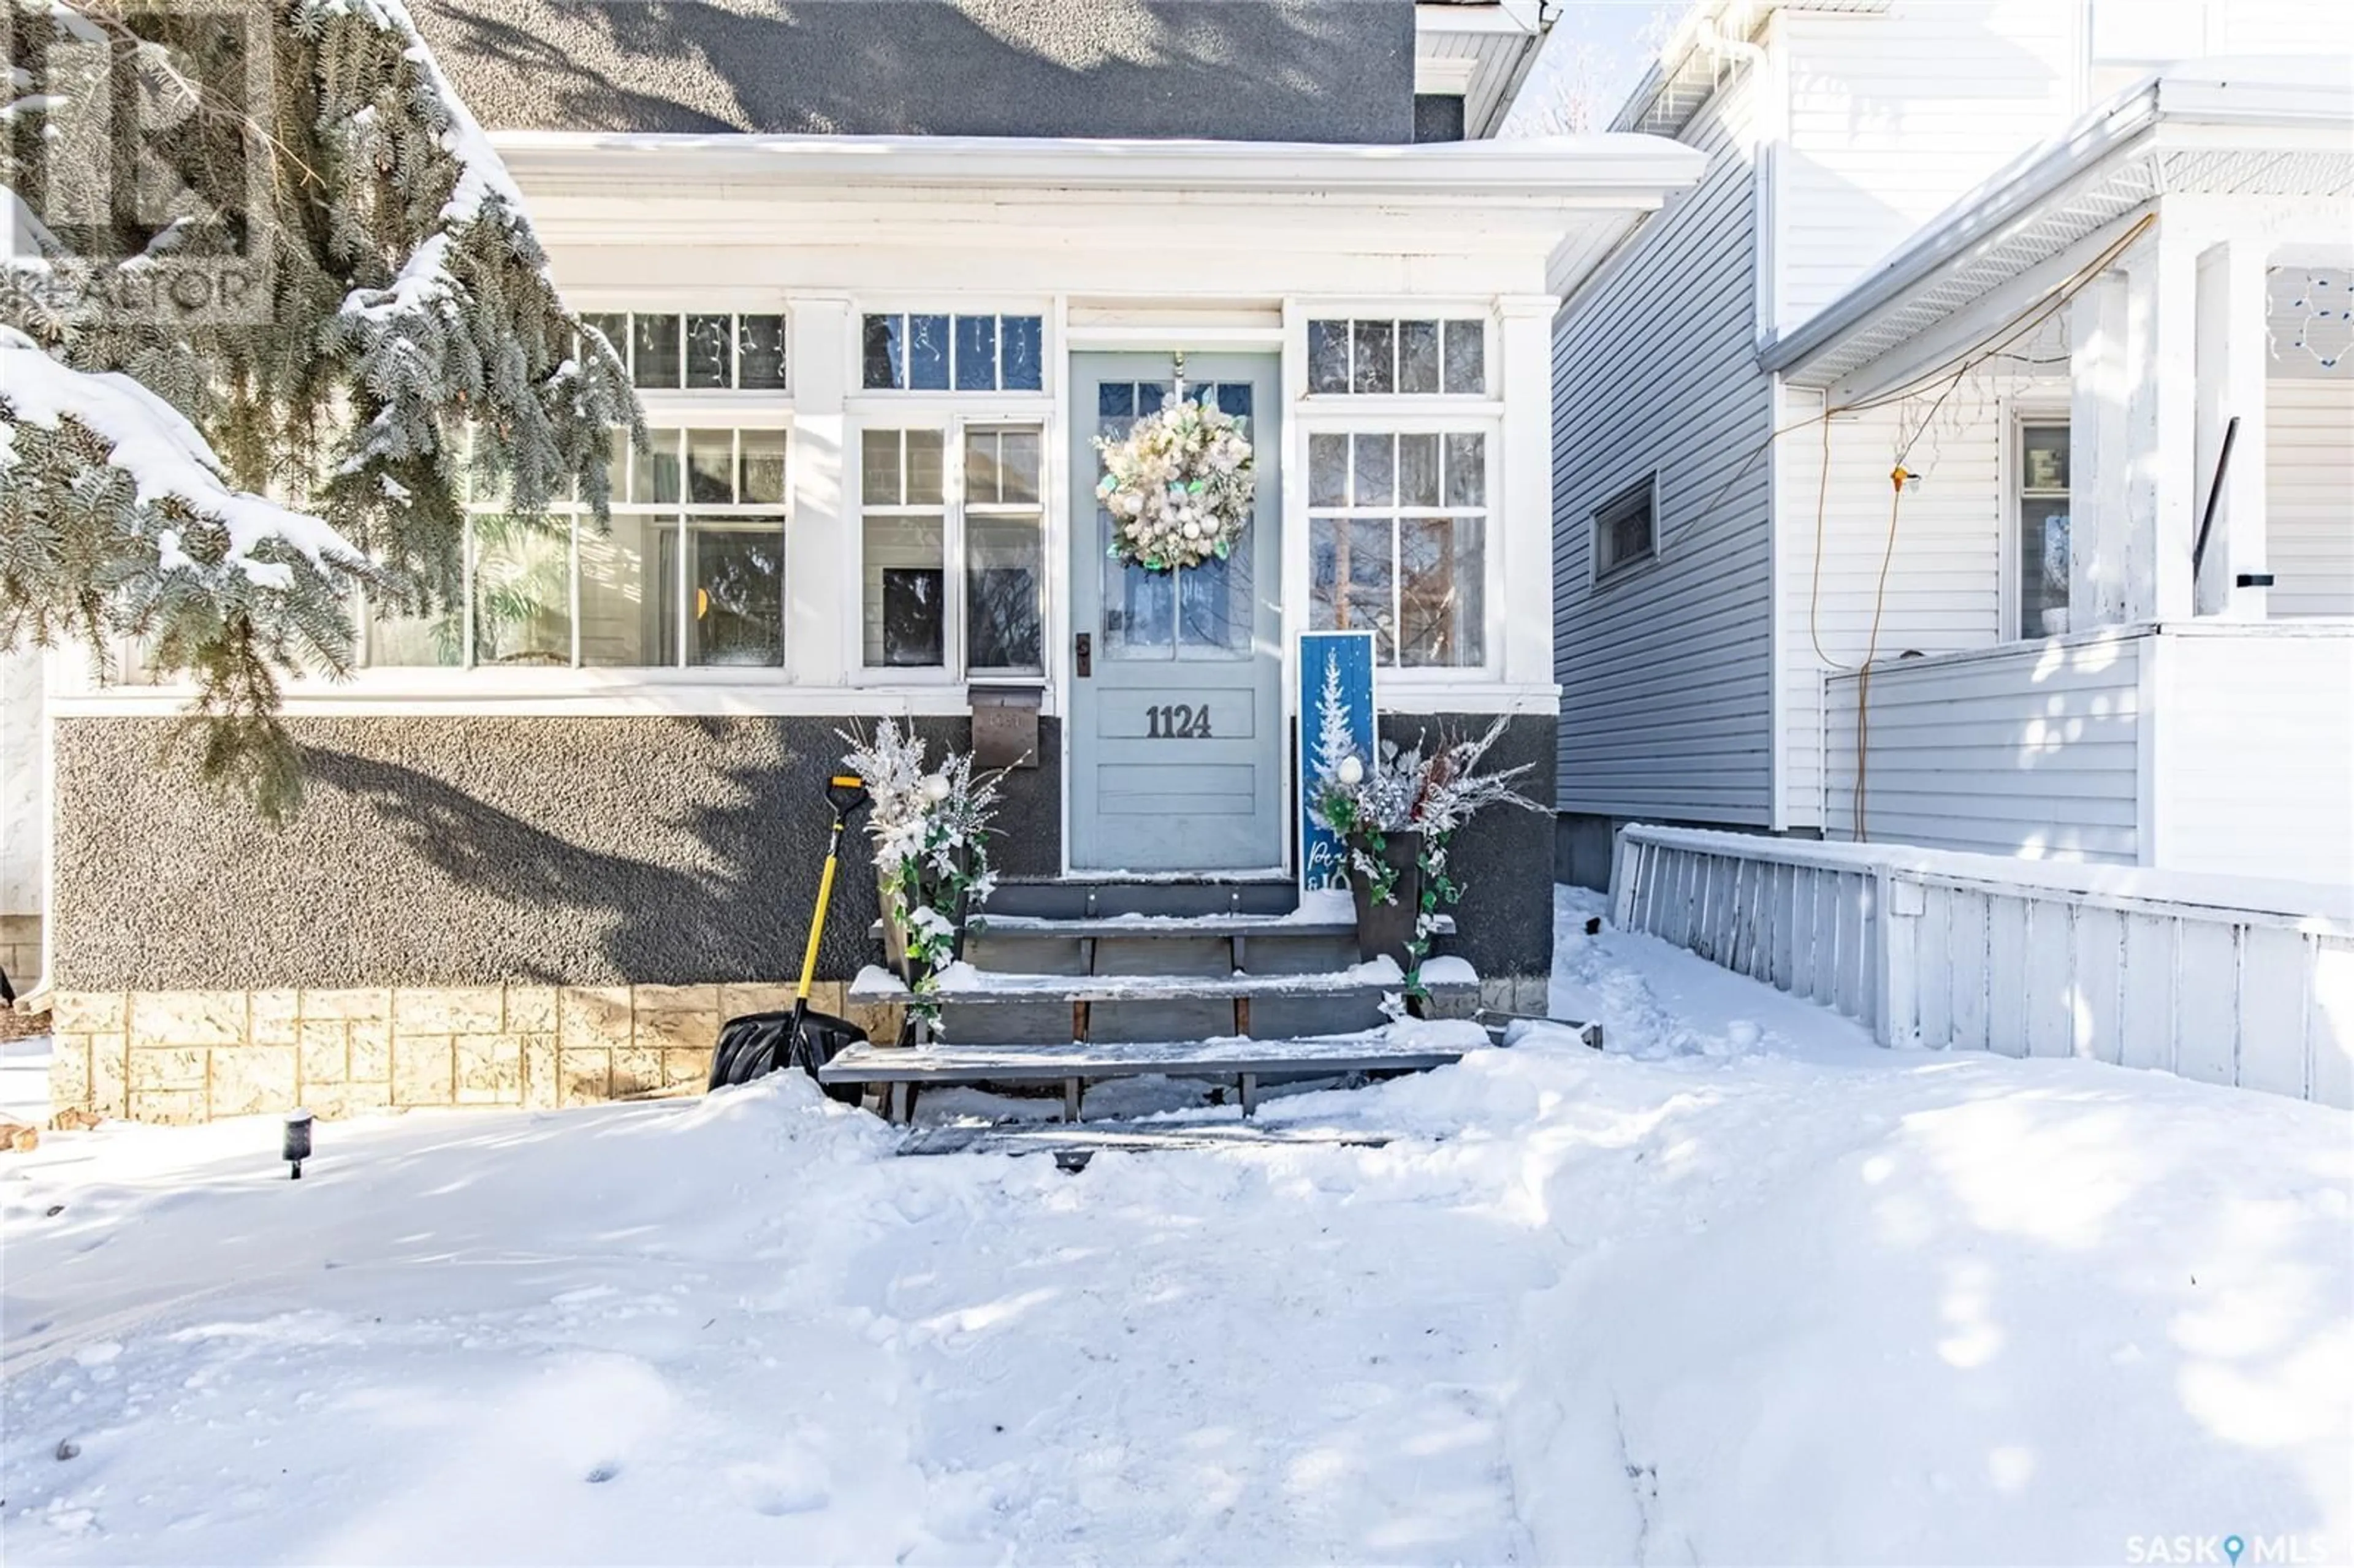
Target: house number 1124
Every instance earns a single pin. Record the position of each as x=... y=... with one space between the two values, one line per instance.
x=1177 y=721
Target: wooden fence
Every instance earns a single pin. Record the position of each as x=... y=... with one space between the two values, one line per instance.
x=2224 y=979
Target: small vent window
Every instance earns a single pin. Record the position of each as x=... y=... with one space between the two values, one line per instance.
x=1626 y=529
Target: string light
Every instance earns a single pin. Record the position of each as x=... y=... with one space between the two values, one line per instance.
x=2318 y=300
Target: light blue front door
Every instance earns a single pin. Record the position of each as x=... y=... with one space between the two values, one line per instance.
x=1177 y=740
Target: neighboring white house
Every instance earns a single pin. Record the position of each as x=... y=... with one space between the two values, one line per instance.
x=2039 y=256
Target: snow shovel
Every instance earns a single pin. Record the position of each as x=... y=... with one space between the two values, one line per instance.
x=760 y=1043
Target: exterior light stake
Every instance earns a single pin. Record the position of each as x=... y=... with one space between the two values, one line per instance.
x=297 y=1146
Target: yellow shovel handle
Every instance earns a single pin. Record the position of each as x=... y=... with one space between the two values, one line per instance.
x=816 y=925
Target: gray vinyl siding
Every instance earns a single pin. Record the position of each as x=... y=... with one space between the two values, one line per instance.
x=1667 y=671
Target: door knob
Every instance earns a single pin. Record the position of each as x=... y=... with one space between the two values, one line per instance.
x=1083 y=655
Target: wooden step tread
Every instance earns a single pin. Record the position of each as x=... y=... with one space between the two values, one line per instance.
x=1118 y=926
x=962 y=983
x=1073 y=1146
x=1427 y=1044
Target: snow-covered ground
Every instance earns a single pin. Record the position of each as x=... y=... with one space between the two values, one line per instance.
x=1744 y=1289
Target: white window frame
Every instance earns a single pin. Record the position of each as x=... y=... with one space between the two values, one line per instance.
x=703 y=398
x=1597 y=578
x=575 y=673
x=1365 y=414
x=1305 y=398
x=2013 y=460
x=904 y=414
x=856 y=392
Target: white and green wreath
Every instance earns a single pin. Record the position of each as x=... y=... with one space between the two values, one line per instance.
x=1178 y=486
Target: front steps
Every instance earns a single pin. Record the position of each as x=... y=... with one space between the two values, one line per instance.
x=1075 y=982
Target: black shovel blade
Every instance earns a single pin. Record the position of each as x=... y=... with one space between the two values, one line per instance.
x=759 y=1043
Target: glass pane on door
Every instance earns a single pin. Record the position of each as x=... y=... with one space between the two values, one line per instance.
x=1194 y=613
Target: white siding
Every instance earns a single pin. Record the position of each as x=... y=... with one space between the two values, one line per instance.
x=1666 y=674
x=1944 y=575
x=2309 y=496
x=23 y=811
x=2255 y=766
x=2029 y=750
x=1894 y=117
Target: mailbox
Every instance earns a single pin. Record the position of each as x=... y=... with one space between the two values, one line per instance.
x=1005 y=726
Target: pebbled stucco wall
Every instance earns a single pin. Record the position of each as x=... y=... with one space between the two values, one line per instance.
x=479 y=851
x=572 y=852
x=1268 y=71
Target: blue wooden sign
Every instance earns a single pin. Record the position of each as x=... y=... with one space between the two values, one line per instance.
x=1336 y=722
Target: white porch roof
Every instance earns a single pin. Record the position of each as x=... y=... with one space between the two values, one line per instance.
x=2269 y=127
x=1578 y=195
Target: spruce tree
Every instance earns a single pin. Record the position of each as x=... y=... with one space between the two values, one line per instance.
x=270 y=305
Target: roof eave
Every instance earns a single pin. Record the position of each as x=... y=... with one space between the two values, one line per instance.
x=1639 y=168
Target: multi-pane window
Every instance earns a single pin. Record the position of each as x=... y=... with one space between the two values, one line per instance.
x=2042 y=530
x=929 y=497
x=1397 y=542
x=1627 y=528
x=689 y=571
x=918 y=352
x=697 y=351
x=1391 y=356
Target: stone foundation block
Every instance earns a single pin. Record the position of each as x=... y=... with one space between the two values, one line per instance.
x=274 y=1018
x=592 y=1017
x=254 y=1079
x=371 y=1058
x=109 y=1075
x=167 y=1067
x=326 y=1049
x=349 y=1004
x=90 y=1011
x=422 y=1070
x=540 y=1083
x=736 y=1001
x=686 y=1069
x=490 y=1069
x=583 y=1077
x=637 y=1070
x=69 y=1070
x=473 y=1011
x=187 y=1018
x=169 y=1108
x=531 y=1010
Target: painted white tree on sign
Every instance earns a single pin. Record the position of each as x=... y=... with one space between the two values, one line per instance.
x=1336 y=737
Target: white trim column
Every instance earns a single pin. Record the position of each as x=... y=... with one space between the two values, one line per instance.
x=822 y=533
x=2231 y=358
x=2161 y=356
x=2099 y=387
x=1520 y=615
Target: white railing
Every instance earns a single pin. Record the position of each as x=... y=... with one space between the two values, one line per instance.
x=2224 y=979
